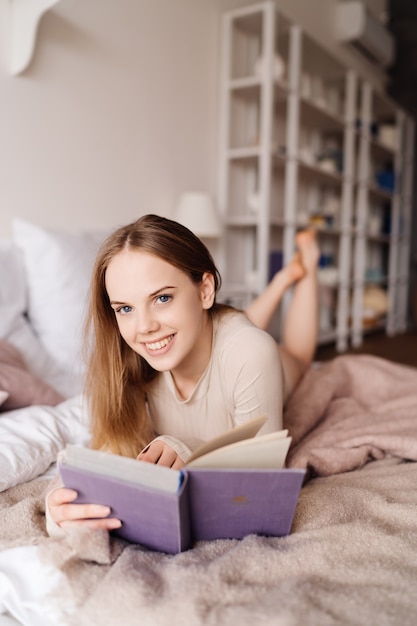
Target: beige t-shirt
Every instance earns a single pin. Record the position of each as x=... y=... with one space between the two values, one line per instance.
x=243 y=380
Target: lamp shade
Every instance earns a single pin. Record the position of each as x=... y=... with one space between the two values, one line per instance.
x=196 y=211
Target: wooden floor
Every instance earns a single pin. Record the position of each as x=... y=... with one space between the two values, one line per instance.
x=401 y=348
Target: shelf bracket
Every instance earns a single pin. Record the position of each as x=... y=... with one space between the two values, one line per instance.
x=20 y=20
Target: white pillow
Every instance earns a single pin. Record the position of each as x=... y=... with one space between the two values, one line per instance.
x=38 y=361
x=58 y=268
x=30 y=438
x=14 y=326
x=13 y=285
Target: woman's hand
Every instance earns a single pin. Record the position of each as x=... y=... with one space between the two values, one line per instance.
x=66 y=515
x=159 y=452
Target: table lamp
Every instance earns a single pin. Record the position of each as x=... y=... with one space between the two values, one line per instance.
x=196 y=211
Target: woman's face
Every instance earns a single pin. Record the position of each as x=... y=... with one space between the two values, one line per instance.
x=161 y=313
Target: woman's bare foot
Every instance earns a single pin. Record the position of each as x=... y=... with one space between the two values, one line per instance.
x=308 y=248
x=303 y=265
x=304 y=261
x=295 y=268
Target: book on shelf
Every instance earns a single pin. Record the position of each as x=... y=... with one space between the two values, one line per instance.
x=233 y=485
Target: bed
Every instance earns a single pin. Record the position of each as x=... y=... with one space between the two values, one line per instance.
x=351 y=557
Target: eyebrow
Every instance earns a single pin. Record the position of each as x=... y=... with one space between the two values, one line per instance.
x=151 y=295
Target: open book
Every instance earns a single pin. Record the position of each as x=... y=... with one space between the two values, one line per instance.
x=233 y=485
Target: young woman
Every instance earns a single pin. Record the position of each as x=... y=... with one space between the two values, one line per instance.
x=170 y=367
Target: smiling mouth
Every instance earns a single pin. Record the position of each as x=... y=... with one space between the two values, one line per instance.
x=158 y=345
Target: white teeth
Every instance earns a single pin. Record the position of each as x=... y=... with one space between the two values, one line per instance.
x=159 y=344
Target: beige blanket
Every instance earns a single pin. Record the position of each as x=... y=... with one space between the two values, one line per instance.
x=351 y=557
x=351 y=410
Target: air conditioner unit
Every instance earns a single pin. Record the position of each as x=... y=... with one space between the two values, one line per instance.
x=360 y=28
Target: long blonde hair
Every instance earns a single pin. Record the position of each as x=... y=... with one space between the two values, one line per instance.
x=117 y=377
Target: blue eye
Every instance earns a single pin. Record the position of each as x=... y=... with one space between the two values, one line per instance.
x=163 y=298
x=123 y=310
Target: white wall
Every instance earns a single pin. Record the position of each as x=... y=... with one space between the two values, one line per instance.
x=117 y=113
x=115 y=116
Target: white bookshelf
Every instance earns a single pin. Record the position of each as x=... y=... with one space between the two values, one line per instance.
x=291 y=154
x=383 y=214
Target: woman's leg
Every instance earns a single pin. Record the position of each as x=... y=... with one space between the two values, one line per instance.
x=262 y=309
x=301 y=322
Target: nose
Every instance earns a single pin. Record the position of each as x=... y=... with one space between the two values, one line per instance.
x=146 y=322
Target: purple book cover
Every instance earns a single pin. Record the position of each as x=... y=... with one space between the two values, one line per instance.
x=210 y=504
x=153 y=518
x=233 y=503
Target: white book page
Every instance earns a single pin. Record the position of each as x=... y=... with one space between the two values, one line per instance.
x=265 y=452
x=244 y=431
